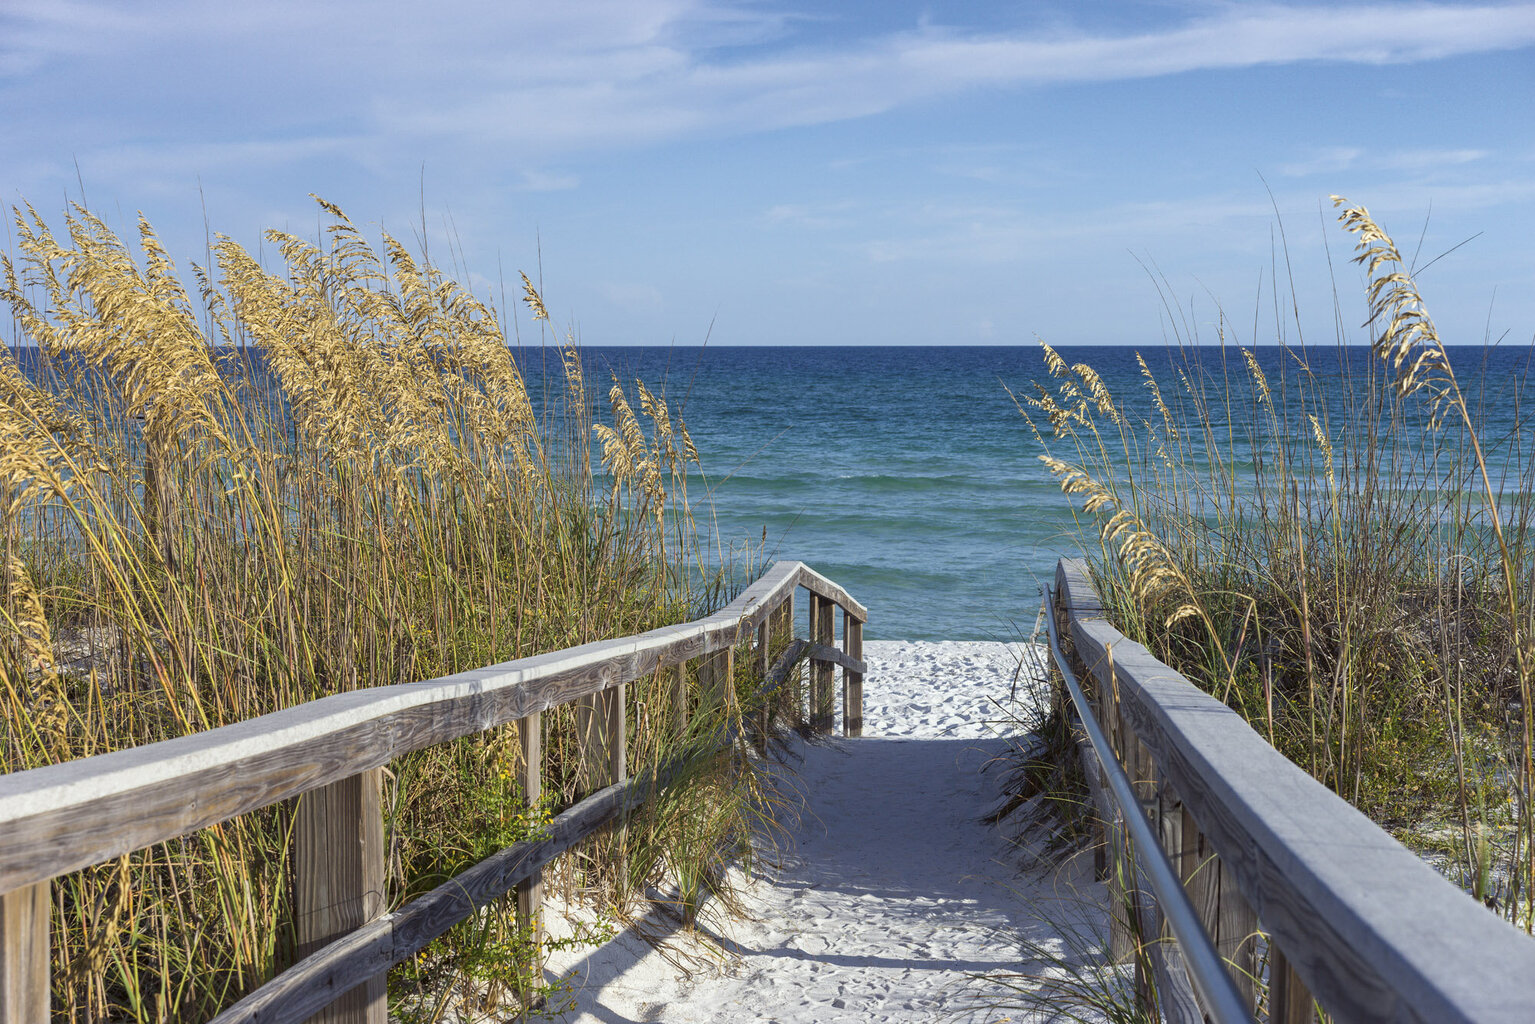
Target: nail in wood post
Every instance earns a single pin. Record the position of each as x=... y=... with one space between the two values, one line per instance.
x=852 y=682
x=1289 y=1001
x=823 y=631
x=338 y=853
x=530 y=894
x=24 y=988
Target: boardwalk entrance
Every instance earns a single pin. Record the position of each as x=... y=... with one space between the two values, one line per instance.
x=895 y=894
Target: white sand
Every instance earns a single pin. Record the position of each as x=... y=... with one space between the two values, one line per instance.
x=894 y=892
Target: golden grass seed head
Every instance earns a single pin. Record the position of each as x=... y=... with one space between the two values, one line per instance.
x=533 y=299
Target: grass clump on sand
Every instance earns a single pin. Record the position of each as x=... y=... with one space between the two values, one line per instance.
x=1347 y=559
x=279 y=485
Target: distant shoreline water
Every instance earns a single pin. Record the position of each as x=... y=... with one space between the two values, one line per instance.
x=907 y=473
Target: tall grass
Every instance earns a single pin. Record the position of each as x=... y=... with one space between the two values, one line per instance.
x=223 y=500
x=1342 y=555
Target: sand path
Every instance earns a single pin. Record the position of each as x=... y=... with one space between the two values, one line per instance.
x=894 y=895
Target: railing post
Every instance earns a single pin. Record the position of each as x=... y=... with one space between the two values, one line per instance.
x=852 y=682
x=793 y=690
x=530 y=894
x=717 y=675
x=1225 y=914
x=604 y=742
x=24 y=987
x=1121 y=868
x=1289 y=1000
x=764 y=699
x=789 y=695
x=679 y=675
x=822 y=627
x=338 y=857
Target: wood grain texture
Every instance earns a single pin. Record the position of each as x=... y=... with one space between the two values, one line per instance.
x=338 y=868
x=24 y=923
x=762 y=665
x=64 y=817
x=681 y=712
x=603 y=738
x=530 y=891
x=822 y=710
x=852 y=678
x=1289 y=1002
x=1373 y=932
x=317 y=979
x=1175 y=993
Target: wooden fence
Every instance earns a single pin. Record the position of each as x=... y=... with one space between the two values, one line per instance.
x=1355 y=924
x=69 y=816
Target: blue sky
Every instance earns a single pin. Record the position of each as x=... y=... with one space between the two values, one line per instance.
x=782 y=173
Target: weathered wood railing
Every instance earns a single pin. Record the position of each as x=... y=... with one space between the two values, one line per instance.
x=1355 y=923
x=65 y=817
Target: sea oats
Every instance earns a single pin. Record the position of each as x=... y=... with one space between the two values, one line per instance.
x=1260 y=381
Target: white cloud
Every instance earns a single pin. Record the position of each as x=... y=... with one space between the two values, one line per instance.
x=548 y=79
x=1332 y=160
x=1425 y=159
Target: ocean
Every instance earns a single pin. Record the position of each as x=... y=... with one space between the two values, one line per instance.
x=907 y=474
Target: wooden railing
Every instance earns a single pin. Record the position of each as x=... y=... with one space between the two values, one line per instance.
x=65 y=817
x=1354 y=923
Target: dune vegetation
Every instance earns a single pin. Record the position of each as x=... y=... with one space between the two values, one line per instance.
x=1343 y=552
x=279 y=484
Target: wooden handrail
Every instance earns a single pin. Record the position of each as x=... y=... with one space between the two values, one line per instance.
x=64 y=817
x=1357 y=921
x=60 y=818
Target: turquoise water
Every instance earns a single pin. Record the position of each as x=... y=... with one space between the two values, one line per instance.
x=907 y=474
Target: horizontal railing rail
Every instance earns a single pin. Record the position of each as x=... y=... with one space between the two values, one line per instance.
x=1355 y=922
x=61 y=818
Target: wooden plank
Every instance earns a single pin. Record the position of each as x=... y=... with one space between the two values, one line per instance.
x=822 y=710
x=680 y=699
x=338 y=866
x=1289 y=1002
x=832 y=656
x=764 y=714
x=602 y=738
x=530 y=891
x=64 y=817
x=818 y=584
x=1121 y=867
x=793 y=702
x=1175 y=992
x=1372 y=931
x=1226 y=916
x=24 y=925
x=852 y=678
x=1100 y=804
x=725 y=678
x=1236 y=933
x=309 y=984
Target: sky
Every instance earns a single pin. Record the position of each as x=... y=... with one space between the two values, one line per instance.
x=885 y=172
